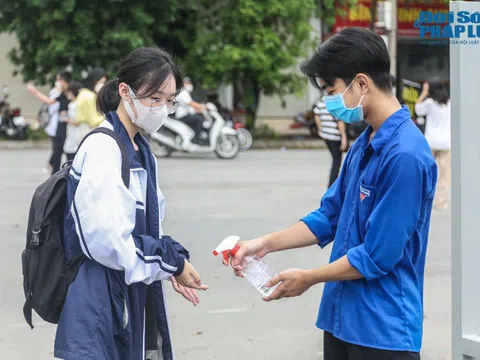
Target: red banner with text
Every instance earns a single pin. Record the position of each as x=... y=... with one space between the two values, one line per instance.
x=408 y=11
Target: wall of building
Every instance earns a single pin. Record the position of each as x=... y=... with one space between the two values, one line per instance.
x=271 y=106
x=19 y=96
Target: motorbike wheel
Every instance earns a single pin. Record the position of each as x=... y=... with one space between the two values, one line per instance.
x=228 y=146
x=245 y=139
x=159 y=150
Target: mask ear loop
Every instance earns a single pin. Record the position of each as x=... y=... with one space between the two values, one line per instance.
x=348 y=87
x=360 y=100
x=129 y=107
x=131 y=93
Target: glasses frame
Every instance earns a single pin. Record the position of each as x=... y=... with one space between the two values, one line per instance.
x=172 y=105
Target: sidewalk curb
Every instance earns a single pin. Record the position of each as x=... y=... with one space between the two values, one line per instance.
x=257 y=144
x=288 y=144
x=24 y=145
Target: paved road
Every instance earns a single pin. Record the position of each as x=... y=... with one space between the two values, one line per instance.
x=208 y=199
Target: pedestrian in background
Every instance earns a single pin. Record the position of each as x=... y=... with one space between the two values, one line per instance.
x=71 y=141
x=434 y=103
x=58 y=104
x=334 y=133
x=87 y=117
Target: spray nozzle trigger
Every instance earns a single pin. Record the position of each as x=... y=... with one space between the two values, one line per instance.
x=228 y=247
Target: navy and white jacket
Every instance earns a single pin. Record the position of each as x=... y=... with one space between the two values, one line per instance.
x=106 y=316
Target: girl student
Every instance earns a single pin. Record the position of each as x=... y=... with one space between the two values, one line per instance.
x=116 y=308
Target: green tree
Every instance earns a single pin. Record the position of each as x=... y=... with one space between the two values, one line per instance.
x=54 y=34
x=254 y=45
x=328 y=10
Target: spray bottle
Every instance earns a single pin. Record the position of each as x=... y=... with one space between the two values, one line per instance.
x=255 y=270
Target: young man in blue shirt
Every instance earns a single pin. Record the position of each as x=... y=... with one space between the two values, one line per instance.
x=377 y=213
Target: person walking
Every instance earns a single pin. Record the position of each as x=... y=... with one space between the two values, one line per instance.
x=116 y=307
x=87 y=117
x=434 y=103
x=377 y=213
x=71 y=141
x=334 y=133
x=58 y=104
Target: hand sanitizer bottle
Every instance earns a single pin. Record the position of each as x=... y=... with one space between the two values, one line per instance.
x=255 y=270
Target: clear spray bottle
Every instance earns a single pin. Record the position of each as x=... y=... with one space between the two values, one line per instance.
x=255 y=270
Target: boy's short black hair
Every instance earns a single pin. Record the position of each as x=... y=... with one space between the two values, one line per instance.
x=348 y=53
x=393 y=79
x=65 y=75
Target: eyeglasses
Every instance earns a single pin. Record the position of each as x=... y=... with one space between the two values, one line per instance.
x=157 y=104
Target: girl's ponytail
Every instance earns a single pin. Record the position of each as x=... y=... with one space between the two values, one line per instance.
x=108 y=98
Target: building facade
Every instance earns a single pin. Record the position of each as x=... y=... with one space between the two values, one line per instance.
x=416 y=60
x=18 y=93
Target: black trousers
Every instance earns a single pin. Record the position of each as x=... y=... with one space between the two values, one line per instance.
x=336 y=349
x=334 y=148
x=195 y=122
x=57 y=152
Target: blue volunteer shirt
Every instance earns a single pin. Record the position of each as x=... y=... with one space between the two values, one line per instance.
x=377 y=213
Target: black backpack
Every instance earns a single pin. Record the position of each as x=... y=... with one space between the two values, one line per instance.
x=46 y=273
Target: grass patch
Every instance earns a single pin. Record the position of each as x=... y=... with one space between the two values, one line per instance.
x=265 y=132
x=37 y=135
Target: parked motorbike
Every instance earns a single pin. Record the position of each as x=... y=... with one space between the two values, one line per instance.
x=12 y=124
x=305 y=120
x=175 y=135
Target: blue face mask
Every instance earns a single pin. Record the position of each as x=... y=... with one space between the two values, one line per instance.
x=336 y=106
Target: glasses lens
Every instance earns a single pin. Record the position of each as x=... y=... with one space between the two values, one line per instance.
x=156 y=106
x=172 y=106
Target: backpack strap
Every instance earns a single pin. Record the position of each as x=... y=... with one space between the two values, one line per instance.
x=27 y=307
x=123 y=150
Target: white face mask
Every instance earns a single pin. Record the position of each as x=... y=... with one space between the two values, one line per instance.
x=189 y=88
x=58 y=85
x=98 y=87
x=146 y=119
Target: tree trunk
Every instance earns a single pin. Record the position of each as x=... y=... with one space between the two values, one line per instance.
x=252 y=98
x=238 y=94
x=246 y=96
x=256 y=103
